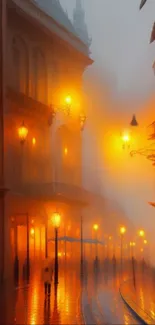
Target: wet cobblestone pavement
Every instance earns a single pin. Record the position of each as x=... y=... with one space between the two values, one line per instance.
x=28 y=305
x=102 y=303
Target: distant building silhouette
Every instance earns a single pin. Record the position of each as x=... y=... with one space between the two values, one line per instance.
x=79 y=23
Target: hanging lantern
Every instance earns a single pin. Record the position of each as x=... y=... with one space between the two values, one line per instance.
x=22 y=133
x=134 y=121
x=82 y=121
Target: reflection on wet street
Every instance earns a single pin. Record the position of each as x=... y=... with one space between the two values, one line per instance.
x=27 y=304
x=106 y=297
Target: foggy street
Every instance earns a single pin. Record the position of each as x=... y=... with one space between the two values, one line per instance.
x=77 y=158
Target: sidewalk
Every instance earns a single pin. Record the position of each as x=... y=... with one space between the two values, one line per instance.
x=141 y=298
x=28 y=305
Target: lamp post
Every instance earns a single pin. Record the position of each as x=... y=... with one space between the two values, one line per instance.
x=96 y=227
x=132 y=245
x=56 y=223
x=122 y=232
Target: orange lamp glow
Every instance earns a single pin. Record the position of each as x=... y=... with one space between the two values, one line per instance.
x=22 y=133
x=110 y=237
x=66 y=151
x=125 y=138
x=145 y=241
x=141 y=233
x=95 y=226
x=56 y=219
x=122 y=230
x=132 y=244
x=34 y=141
x=32 y=231
x=68 y=100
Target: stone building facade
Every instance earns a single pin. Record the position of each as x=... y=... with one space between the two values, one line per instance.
x=45 y=61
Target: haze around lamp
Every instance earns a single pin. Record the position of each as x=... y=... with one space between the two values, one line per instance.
x=22 y=133
x=56 y=219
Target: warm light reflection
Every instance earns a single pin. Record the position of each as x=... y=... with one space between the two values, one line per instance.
x=122 y=230
x=33 y=304
x=68 y=100
x=59 y=254
x=125 y=137
x=95 y=226
x=110 y=237
x=145 y=241
x=56 y=220
x=141 y=233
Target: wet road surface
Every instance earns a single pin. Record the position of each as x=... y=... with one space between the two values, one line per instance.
x=103 y=303
x=106 y=301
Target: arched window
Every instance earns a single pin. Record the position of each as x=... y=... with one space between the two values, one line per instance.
x=39 y=76
x=20 y=65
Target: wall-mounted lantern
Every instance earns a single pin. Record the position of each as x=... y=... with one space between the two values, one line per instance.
x=68 y=104
x=22 y=133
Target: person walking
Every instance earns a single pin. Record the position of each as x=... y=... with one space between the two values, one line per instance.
x=47 y=277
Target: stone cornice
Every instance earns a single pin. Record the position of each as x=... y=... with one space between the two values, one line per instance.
x=33 y=12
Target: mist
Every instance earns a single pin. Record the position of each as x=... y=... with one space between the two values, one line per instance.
x=120 y=82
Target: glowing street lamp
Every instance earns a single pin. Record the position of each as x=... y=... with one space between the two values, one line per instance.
x=32 y=231
x=22 y=133
x=68 y=103
x=141 y=233
x=96 y=227
x=126 y=140
x=145 y=241
x=56 y=219
x=122 y=232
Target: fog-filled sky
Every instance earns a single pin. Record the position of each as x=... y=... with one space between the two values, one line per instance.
x=120 y=42
x=123 y=61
